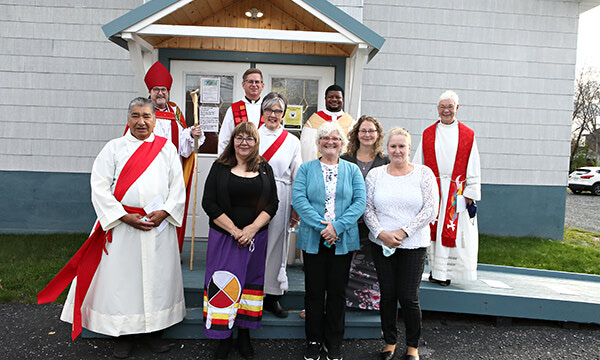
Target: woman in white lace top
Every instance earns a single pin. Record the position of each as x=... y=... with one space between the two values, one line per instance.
x=402 y=199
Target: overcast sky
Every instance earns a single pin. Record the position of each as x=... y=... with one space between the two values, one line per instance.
x=588 y=40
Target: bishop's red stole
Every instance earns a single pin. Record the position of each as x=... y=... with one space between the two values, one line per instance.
x=86 y=260
x=275 y=145
x=459 y=174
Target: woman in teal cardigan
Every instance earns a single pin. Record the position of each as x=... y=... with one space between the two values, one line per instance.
x=329 y=196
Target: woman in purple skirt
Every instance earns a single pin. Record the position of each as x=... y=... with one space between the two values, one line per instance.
x=240 y=199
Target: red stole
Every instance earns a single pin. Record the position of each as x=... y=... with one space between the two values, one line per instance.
x=240 y=115
x=459 y=175
x=176 y=117
x=86 y=260
x=325 y=117
x=275 y=145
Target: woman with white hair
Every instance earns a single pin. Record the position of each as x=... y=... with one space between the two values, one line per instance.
x=329 y=196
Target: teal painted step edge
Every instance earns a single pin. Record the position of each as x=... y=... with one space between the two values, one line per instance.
x=359 y=325
x=48 y=202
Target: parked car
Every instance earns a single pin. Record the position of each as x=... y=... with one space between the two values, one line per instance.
x=585 y=179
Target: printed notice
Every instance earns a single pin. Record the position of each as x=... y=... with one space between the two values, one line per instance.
x=209 y=118
x=293 y=117
x=211 y=90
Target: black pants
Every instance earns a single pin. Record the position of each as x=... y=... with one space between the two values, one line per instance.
x=326 y=277
x=399 y=280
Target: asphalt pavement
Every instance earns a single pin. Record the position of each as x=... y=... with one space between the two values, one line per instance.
x=583 y=211
x=30 y=331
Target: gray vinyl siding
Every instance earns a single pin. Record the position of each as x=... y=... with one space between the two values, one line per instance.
x=511 y=62
x=64 y=88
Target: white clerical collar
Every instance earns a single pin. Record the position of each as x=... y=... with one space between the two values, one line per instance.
x=257 y=101
x=130 y=137
x=337 y=114
x=265 y=130
x=453 y=124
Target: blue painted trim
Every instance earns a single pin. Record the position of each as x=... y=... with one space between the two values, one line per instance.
x=45 y=202
x=134 y=16
x=326 y=8
x=339 y=63
x=522 y=210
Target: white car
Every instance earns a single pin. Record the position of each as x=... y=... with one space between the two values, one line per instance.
x=585 y=179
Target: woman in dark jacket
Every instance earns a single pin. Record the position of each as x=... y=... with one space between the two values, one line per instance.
x=365 y=149
x=240 y=199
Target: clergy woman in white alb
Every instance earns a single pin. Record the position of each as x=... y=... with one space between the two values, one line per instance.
x=449 y=148
x=137 y=287
x=282 y=150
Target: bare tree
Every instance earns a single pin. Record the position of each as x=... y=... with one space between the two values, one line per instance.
x=586 y=107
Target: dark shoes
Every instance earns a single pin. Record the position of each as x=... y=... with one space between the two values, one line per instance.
x=312 y=351
x=123 y=347
x=156 y=343
x=387 y=355
x=271 y=304
x=411 y=357
x=334 y=352
x=439 y=282
x=244 y=345
x=224 y=348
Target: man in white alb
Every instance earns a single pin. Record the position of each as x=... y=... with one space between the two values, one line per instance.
x=127 y=274
x=449 y=148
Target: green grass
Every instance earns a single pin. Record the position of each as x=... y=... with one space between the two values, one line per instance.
x=579 y=252
x=29 y=262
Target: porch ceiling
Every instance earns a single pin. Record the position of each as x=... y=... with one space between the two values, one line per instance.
x=311 y=27
x=218 y=15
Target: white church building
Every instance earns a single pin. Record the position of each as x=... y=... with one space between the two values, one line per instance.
x=68 y=69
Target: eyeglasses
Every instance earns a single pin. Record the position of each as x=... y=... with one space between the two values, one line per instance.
x=271 y=111
x=160 y=89
x=253 y=81
x=370 y=131
x=249 y=140
x=330 y=138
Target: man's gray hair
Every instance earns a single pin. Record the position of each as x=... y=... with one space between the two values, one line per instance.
x=449 y=94
x=329 y=127
x=140 y=101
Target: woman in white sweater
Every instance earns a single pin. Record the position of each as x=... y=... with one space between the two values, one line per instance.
x=402 y=199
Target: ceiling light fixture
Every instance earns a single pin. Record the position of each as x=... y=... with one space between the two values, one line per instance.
x=254 y=13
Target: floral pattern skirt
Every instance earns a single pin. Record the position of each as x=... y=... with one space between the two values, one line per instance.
x=362 y=291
